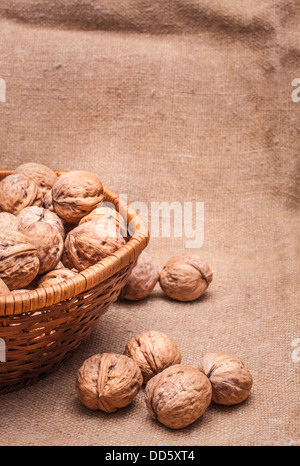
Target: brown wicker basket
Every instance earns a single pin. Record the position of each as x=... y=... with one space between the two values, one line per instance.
x=44 y=327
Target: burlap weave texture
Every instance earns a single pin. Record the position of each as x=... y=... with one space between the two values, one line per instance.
x=187 y=101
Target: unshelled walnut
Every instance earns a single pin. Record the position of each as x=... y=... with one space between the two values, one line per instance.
x=185 y=277
x=4 y=290
x=56 y=276
x=48 y=242
x=19 y=262
x=47 y=201
x=87 y=244
x=178 y=396
x=8 y=222
x=153 y=351
x=35 y=214
x=109 y=216
x=142 y=279
x=108 y=382
x=43 y=176
x=76 y=194
x=231 y=381
x=18 y=192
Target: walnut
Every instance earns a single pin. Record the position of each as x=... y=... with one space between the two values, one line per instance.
x=89 y=243
x=48 y=201
x=76 y=194
x=231 y=381
x=153 y=352
x=48 y=242
x=4 y=290
x=185 y=277
x=56 y=276
x=43 y=176
x=19 y=262
x=108 y=382
x=34 y=214
x=8 y=222
x=142 y=279
x=18 y=192
x=109 y=216
x=178 y=396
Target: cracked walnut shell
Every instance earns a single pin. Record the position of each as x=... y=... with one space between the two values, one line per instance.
x=19 y=262
x=76 y=194
x=185 y=277
x=153 y=352
x=48 y=242
x=142 y=279
x=231 y=381
x=18 y=192
x=42 y=175
x=178 y=396
x=34 y=214
x=108 y=382
x=88 y=243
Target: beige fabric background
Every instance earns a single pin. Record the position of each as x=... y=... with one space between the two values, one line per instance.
x=170 y=100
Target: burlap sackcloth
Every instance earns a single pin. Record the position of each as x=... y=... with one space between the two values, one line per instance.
x=170 y=100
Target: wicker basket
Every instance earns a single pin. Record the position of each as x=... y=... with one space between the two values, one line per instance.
x=44 y=327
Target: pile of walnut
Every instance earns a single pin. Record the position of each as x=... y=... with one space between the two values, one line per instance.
x=176 y=395
x=52 y=227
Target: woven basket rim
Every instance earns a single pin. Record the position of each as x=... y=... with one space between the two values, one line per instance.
x=40 y=298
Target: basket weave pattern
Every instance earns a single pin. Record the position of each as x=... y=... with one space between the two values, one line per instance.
x=44 y=327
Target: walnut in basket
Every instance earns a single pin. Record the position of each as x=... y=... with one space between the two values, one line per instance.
x=178 y=396
x=35 y=214
x=76 y=194
x=19 y=262
x=56 y=276
x=108 y=382
x=142 y=279
x=18 y=192
x=89 y=243
x=185 y=277
x=48 y=242
x=153 y=351
x=43 y=176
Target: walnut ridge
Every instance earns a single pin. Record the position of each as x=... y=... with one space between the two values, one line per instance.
x=231 y=381
x=153 y=352
x=4 y=290
x=18 y=192
x=108 y=382
x=109 y=217
x=185 y=277
x=19 y=262
x=76 y=194
x=34 y=214
x=56 y=276
x=178 y=396
x=142 y=279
